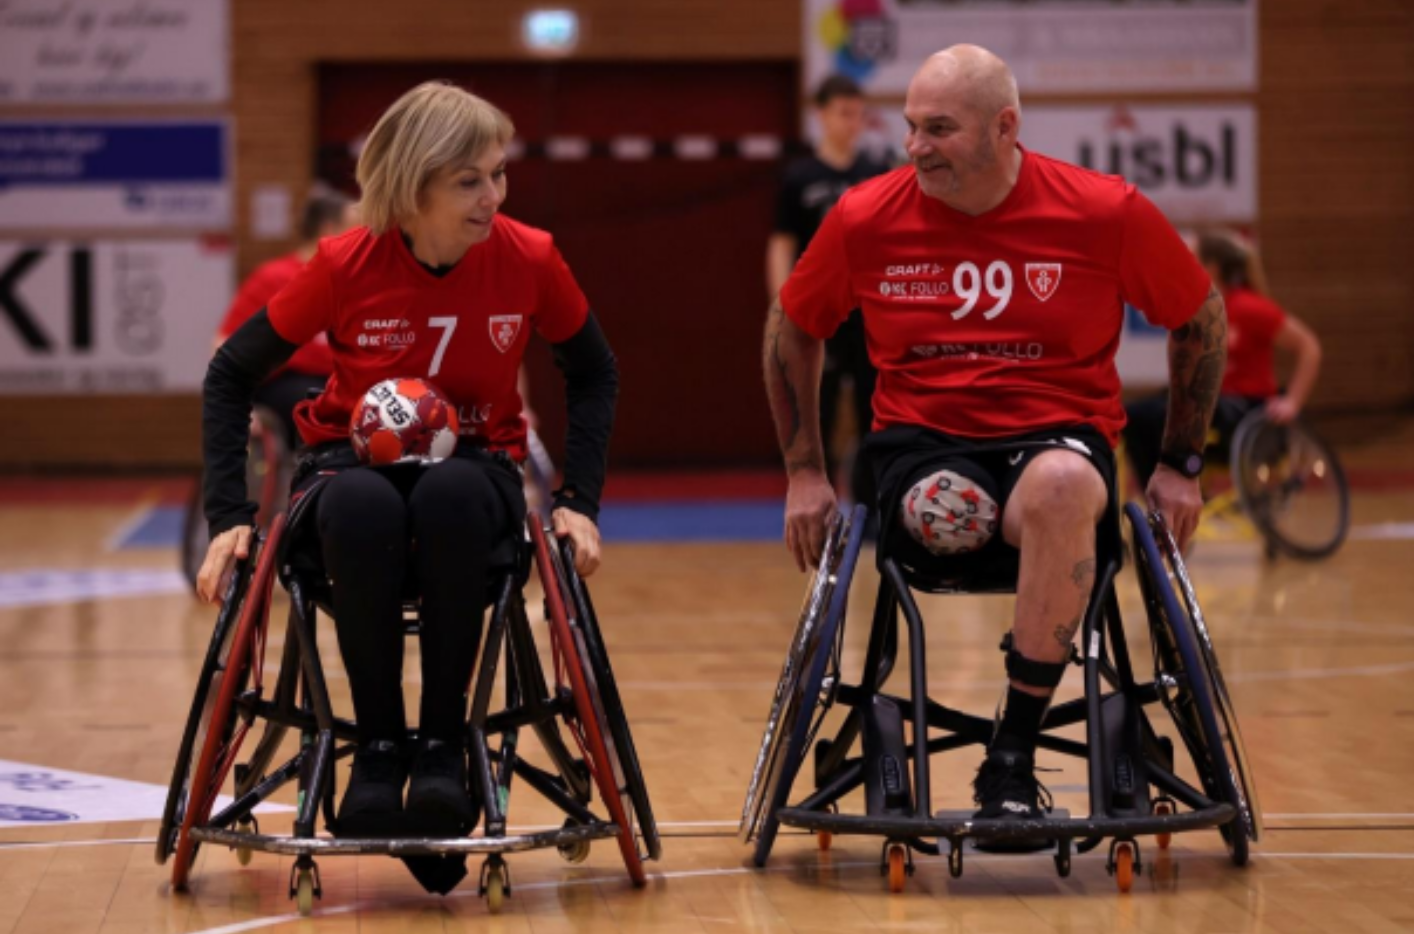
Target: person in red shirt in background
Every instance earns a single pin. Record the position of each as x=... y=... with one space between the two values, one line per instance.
x=992 y=282
x=438 y=285
x=327 y=213
x=1257 y=328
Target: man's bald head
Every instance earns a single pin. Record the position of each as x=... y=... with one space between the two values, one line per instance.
x=963 y=120
x=982 y=80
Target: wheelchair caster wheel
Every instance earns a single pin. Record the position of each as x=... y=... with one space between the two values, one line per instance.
x=495 y=889
x=304 y=894
x=955 y=861
x=1063 y=859
x=574 y=853
x=243 y=853
x=1163 y=839
x=1124 y=867
x=304 y=885
x=898 y=868
x=825 y=839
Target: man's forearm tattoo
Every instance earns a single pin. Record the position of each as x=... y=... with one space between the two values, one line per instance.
x=1197 y=356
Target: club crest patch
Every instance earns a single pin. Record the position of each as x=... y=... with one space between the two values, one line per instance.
x=504 y=330
x=1043 y=279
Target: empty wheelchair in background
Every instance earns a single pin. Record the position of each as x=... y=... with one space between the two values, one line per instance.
x=1135 y=788
x=233 y=695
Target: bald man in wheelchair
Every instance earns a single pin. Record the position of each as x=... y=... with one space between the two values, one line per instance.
x=992 y=281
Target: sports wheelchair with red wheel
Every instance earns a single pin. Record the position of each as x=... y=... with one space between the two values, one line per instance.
x=232 y=695
x=1134 y=785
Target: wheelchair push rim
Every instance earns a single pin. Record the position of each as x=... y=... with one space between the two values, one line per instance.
x=1291 y=485
x=219 y=735
x=637 y=805
x=813 y=647
x=587 y=726
x=1190 y=693
x=217 y=655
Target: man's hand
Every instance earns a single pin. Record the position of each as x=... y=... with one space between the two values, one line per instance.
x=221 y=556
x=1179 y=499
x=810 y=502
x=1281 y=410
x=583 y=534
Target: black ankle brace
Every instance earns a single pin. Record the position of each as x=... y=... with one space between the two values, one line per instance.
x=1033 y=673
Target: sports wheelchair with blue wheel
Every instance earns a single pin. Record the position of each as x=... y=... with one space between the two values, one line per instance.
x=232 y=695
x=1134 y=786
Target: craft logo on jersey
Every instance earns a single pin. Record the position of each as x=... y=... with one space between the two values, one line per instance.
x=504 y=330
x=1043 y=278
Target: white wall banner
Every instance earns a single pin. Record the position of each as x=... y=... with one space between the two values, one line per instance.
x=1053 y=46
x=35 y=796
x=111 y=316
x=114 y=51
x=114 y=174
x=1197 y=162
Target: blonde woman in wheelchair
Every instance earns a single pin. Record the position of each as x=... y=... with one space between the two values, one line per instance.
x=1257 y=328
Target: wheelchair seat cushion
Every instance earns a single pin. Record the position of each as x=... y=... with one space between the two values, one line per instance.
x=903 y=455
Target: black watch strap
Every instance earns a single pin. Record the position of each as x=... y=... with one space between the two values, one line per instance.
x=1189 y=464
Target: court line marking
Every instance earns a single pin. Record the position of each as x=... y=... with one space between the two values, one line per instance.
x=832 y=868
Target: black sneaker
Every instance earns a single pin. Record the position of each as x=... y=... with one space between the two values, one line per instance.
x=373 y=802
x=438 y=803
x=1007 y=789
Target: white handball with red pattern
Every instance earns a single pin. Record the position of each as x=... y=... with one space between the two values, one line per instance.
x=403 y=420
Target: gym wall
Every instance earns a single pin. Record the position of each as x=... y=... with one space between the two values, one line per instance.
x=1336 y=160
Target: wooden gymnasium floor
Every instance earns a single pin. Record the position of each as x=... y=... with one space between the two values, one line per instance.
x=1320 y=658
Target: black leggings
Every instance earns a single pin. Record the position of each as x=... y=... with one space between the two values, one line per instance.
x=440 y=523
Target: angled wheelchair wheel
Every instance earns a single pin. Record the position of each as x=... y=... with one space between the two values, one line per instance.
x=806 y=689
x=1191 y=682
x=628 y=773
x=1291 y=485
x=590 y=725
x=269 y=469
x=235 y=665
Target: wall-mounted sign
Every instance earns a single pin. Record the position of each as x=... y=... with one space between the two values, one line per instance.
x=114 y=174
x=114 y=51
x=111 y=316
x=1053 y=46
x=1198 y=162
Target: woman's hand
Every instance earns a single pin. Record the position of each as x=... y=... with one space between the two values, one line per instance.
x=221 y=556
x=583 y=534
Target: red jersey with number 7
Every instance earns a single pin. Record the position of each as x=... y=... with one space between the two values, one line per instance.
x=465 y=332
x=1006 y=322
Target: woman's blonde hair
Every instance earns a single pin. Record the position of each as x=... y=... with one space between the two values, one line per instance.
x=434 y=126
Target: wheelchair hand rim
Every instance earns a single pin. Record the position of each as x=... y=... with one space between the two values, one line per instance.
x=760 y=787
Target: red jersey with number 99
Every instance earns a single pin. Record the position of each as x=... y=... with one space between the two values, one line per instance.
x=465 y=332
x=1003 y=323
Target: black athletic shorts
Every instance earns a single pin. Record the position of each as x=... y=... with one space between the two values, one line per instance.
x=901 y=456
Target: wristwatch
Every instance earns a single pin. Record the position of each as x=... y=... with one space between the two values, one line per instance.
x=1190 y=464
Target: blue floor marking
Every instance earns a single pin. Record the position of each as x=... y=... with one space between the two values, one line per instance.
x=161 y=527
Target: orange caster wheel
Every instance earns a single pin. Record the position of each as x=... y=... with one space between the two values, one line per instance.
x=1124 y=867
x=1163 y=839
x=898 y=868
x=825 y=839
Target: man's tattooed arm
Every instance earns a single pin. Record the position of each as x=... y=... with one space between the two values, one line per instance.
x=792 y=361
x=1197 y=357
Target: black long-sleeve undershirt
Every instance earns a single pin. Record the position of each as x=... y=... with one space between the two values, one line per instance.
x=256 y=350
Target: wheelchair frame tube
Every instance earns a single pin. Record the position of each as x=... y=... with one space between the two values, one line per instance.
x=918 y=670
x=318 y=694
x=480 y=704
